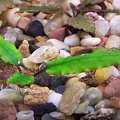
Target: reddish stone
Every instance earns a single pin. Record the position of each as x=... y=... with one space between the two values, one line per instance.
x=114 y=102
x=59 y=34
x=103 y=42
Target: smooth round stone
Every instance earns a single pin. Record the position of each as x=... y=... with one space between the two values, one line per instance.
x=90 y=42
x=60 y=45
x=102 y=28
x=72 y=40
x=115 y=25
x=93 y=95
x=116 y=4
x=60 y=89
x=57 y=115
x=36 y=29
x=47 y=117
x=113 y=42
x=12 y=95
x=43 y=109
x=54 y=98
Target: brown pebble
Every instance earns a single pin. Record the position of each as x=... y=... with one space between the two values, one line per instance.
x=114 y=102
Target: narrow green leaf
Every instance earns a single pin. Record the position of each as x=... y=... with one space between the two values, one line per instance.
x=86 y=2
x=9 y=53
x=77 y=64
x=45 y=9
x=20 y=79
x=82 y=22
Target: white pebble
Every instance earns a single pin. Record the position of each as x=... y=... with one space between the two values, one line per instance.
x=102 y=28
x=54 y=98
x=116 y=4
x=72 y=40
x=113 y=42
x=115 y=25
x=60 y=45
x=90 y=42
x=64 y=53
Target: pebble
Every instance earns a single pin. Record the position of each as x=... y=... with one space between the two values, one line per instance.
x=11 y=95
x=60 y=89
x=90 y=42
x=54 y=98
x=113 y=42
x=60 y=45
x=7 y=110
x=72 y=40
x=47 y=117
x=112 y=89
x=64 y=53
x=114 y=102
x=44 y=53
x=25 y=115
x=84 y=35
x=114 y=25
x=117 y=117
x=68 y=103
x=41 y=109
x=35 y=29
x=104 y=103
x=23 y=23
x=11 y=34
x=36 y=95
x=102 y=28
x=59 y=34
x=116 y=4
x=24 y=49
x=93 y=95
x=23 y=107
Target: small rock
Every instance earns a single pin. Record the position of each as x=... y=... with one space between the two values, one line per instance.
x=72 y=40
x=36 y=29
x=11 y=34
x=36 y=95
x=102 y=28
x=60 y=45
x=71 y=97
x=47 y=117
x=64 y=53
x=23 y=107
x=84 y=35
x=11 y=95
x=41 y=109
x=25 y=115
x=23 y=23
x=82 y=108
x=117 y=116
x=90 y=42
x=103 y=42
x=24 y=49
x=41 y=39
x=58 y=34
x=43 y=53
x=116 y=4
x=113 y=41
x=114 y=102
x=7 y=110
x=93 y=95
x=113 y=89
x=102 y=104
x=60 y=89
x=114 y=25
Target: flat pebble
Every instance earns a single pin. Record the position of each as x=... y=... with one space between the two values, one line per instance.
x=90 y=42
x=72 y=40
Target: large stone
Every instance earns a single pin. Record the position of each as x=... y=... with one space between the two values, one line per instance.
x=114 y=102
x=71 y=97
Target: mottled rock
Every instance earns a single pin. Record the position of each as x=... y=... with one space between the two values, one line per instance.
x=72 y=40
x=113 y=41
x=12 y=95
x=43 y=109
x=24 y=49
x=114 y=102
x=71 y=97
x=7 y=110
x=93 y=95
x=36 y=95
x=60 y=89
x=44 y=53
x=90 y=42
x=59 y=34
x=60 y=45
x=47 y=117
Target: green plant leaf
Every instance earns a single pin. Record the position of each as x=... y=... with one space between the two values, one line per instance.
x=5 y=4
x=20 y=79
x=77 y=64
x=45 y=9
x=82 y=22
x=9 y=53
x=86 y=2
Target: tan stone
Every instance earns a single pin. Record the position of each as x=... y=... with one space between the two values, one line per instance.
x=114 y=102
